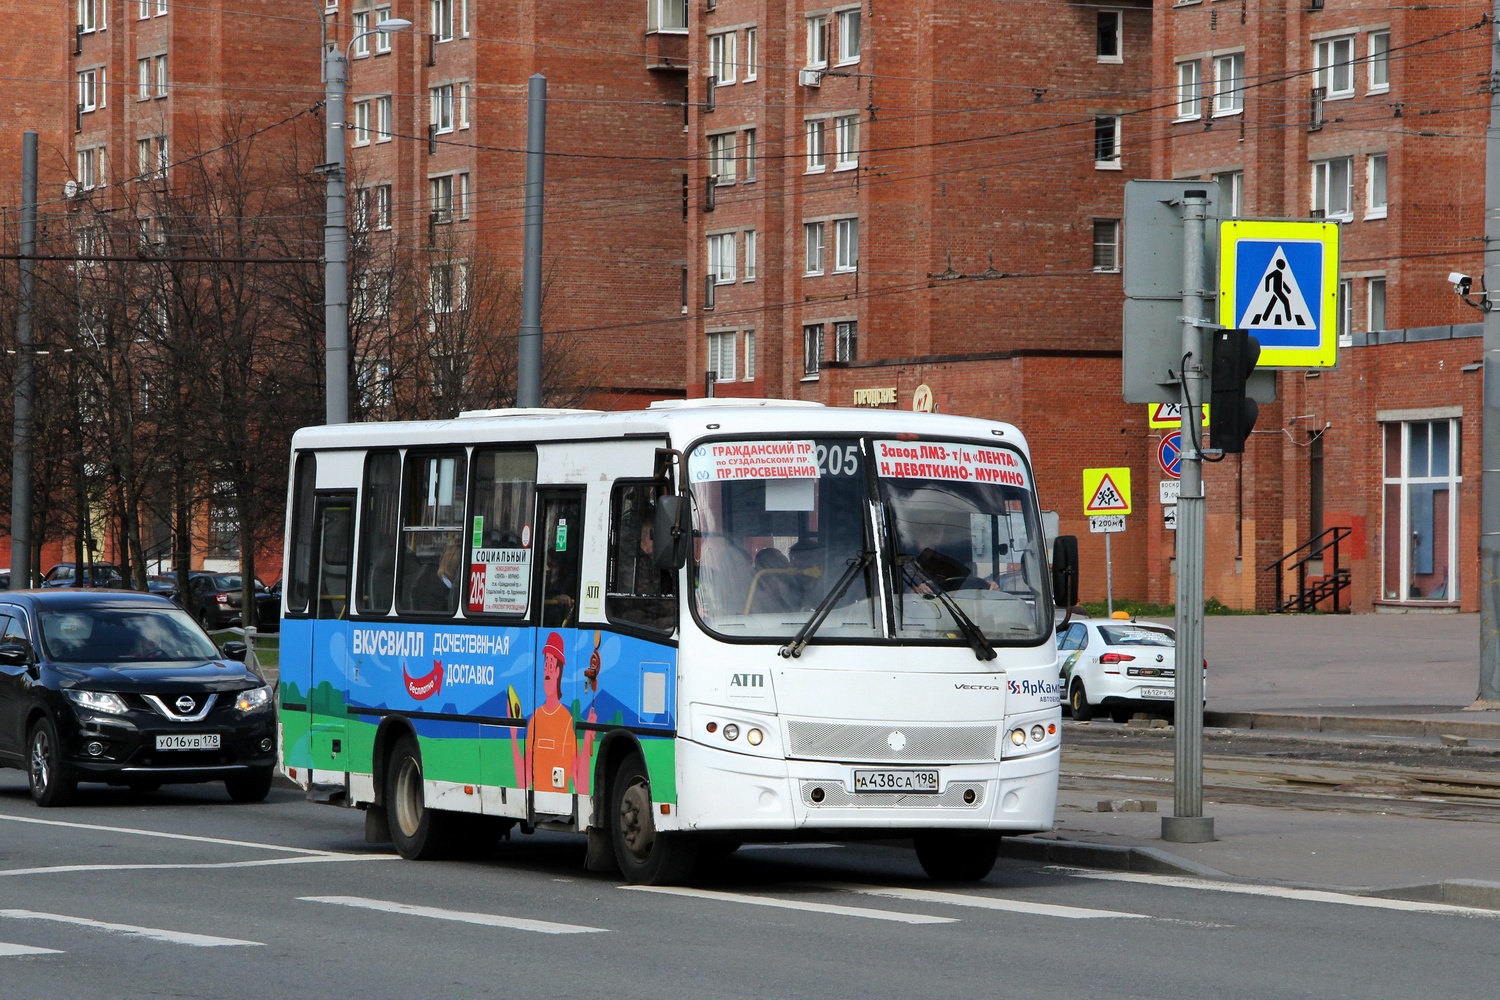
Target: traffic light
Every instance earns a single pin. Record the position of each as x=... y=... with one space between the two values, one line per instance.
x=1232 y=415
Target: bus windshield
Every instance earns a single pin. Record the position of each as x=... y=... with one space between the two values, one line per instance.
x=954 y=541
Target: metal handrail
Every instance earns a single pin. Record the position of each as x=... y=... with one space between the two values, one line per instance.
x=1279 y=568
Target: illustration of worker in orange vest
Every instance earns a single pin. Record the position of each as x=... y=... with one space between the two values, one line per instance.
x=552 y=756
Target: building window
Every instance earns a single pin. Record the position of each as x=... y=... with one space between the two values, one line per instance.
x=151 y=156
x=161 y=75
x=161 y=8
x=721 y=157
x=846 y=142
x=721 y=64
x=463 y=195
x=816 y=157
x=817 y=42
x=750 y=253
x=812 y=349
x=91 y=168
x=721 y=356
x=361 y=44
x=846 y=341
x=1231 y=193
x=721 y=258
x=1106 y=244
x=382 y=206
x=383 y=119
x=442 y=107
x=448 y=286
x=846 y=244
x=752 y=53
x=666 y=15
x=848 y=36
x=750 y=154
x=143 y=79
x=1333 y=66
x=361 y=123
x=463 y=104
x=1375 y=297
x=1380 y=60
x=1189 y=90
x=1229 y=84
x=1333 y=188
x=1375 y=186
x=382 y=38
x=1420 y=531
x=91 y=89
x=1345 y=305
x=361 y=212
x=749 y=355
x=1107 y=142
x=813 y=236
x=88 y=15
x=442 y=20
x=440 y=198
x=1108 y=48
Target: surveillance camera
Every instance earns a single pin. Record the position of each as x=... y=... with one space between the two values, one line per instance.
x=1461 y=282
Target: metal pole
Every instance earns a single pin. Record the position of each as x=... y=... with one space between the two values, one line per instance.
x=1188 y=825
x=336 y=245
x=1109 y=576
x=21 y=427
x=529 y=350
x=1489 y=488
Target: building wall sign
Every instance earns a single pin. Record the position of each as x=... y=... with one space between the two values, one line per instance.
x=875 y=397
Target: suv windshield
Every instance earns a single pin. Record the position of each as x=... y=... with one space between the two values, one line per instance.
x=122 y=635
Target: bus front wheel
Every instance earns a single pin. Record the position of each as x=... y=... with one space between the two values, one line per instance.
x=645 y=855
x=957 y=856
x=419 y=833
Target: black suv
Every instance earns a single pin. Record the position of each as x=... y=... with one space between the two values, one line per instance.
x=101 y=574
x=127 y=689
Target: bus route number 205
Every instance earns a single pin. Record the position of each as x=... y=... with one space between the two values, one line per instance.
x=837 y=460
x=895 y=781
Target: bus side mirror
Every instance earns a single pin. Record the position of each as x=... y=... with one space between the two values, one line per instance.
x=1065 y=571
x=669 y=534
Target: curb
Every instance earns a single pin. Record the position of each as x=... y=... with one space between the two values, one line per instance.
x=1388 y=726
x=1146 y=860
x=1459 y=892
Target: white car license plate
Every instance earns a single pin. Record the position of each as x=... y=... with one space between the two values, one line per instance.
x=188 y=741
x=895 y=781
x=1158 y=693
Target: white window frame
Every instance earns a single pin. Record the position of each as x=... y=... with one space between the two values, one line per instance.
x=846 y=245
x=461 y=102
x=359 y=123
x=721 y=152
x=91 y=89
x=384 y=118
x=360 y=49
x=1373 y=323
x=1377 y=177
x=143 y=78
x=1229 y=84
x=1326 y=185
x=814 y=241
x=850 y=28
x=151 y=156
x=751 y=252
x=1112 y=266
x=442 y=20
x=1344 y=306
x=721 y=257
x=1332 y=70
x=440 y=198
x=91 y=168
x=846 y=142
x=1231 y=192
x=721 y=56
x=752 y=150
x=382 y=38
x=846 y=340
x=1112 y=127
x=817 y=42
x=722 y=347
x=749 y=355
x=1189 y=90
x=161 y=8
x=1119 y=36
x=752 y=53
x=816 y=132
x=461 y=193
x=89 y=20
x=161 y=75
x=667 y=16
x=1378 y=67
x=442 y=108
x=812 y=351
x=448 y=286
x=383 y=206
x=1400 y=590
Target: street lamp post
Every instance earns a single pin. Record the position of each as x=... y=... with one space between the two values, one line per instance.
x=336 y=229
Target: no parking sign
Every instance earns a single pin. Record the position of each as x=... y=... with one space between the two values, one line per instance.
x=1169 y=454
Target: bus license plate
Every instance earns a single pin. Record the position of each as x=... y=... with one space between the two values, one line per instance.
x=188 y=741
x=1158 y=693
x=895 y=781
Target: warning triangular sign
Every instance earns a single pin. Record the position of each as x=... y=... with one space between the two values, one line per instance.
x=1278 y=302
x=1107 y=499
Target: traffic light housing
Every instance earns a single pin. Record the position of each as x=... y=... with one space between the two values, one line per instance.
x=1232 y=414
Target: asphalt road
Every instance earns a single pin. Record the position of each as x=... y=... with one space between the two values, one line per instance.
x=181 y=893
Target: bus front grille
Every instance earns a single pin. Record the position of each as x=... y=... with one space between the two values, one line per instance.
x=892 y=744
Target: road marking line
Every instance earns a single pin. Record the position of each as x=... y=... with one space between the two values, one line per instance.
x=169 y=836
x=205 y=866
x=130 y=930
x=788 y=904
x=1280 y=892
x=983 y=902
x=461 y=916
x=7 y=950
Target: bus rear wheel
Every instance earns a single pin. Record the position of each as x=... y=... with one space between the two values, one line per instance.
x=645 y=855
x=957 y=856
x=418 y=832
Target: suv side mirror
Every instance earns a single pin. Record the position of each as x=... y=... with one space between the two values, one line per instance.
x=235 y=650
x=17 y=653
x=669 y=535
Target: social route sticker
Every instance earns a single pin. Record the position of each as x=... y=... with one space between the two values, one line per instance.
x=946 y=460
x=754 y=460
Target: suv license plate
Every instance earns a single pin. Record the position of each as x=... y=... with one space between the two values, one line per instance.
x=1158 y=693
x=896 y=781
x=188 y=741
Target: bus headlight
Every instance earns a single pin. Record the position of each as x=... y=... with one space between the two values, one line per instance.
x=754 y=737
x=1018 y=737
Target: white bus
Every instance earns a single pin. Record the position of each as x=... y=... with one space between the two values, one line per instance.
x=674 y=630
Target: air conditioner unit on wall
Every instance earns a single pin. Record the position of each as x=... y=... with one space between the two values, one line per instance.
x=810 y=77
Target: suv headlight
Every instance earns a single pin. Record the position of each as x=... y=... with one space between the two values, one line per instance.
x=249 y=701
x=98 y=701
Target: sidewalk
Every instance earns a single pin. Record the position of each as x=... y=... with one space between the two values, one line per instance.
x=1411 y=676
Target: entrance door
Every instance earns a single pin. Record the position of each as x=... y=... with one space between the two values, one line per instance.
x=552 y=745
x=334 y=534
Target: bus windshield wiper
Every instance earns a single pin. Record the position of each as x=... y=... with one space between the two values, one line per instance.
x=805 y=633
x=977 y=641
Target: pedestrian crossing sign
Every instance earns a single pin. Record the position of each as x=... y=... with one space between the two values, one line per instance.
x=1280 y=282
x=1106 y=491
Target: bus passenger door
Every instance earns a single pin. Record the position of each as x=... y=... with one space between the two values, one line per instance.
x=331 y=663
x=551 y=734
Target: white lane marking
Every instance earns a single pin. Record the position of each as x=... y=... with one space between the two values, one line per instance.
x=7 y=950
x=789 y=904
x=983 y=902
x=168 y=836
x=1281 y=892
x=460 y=916
x=130 y=930
x=206 y=866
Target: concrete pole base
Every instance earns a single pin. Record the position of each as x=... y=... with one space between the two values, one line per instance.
x=1187 y=829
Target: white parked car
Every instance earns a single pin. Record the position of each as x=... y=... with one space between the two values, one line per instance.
x=1117 y=666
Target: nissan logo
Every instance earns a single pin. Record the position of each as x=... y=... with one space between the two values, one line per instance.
x=185 y=704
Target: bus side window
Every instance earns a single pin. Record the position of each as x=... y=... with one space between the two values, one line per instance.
x=638 y=592
x=299 y=586
x=431 y=533
x=381 y=505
